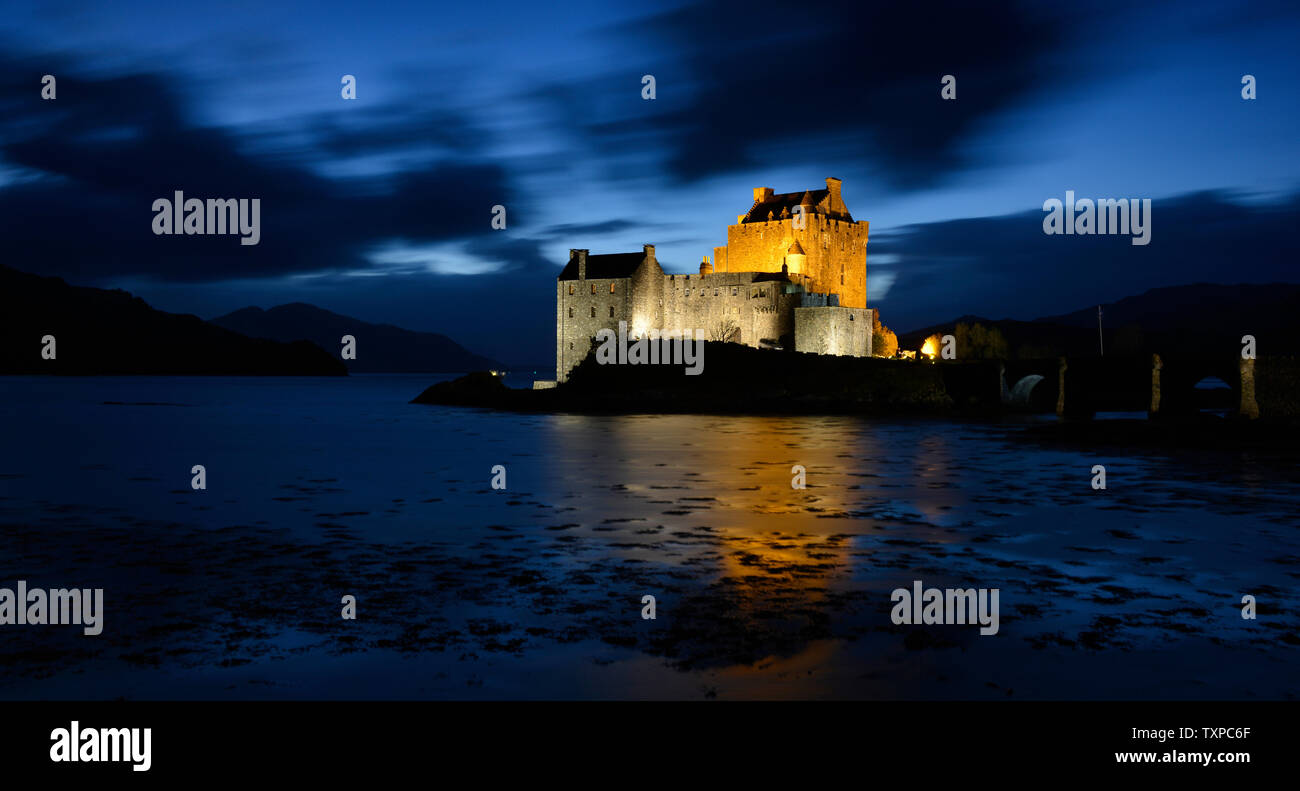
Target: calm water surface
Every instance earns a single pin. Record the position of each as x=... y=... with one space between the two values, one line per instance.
x=320 y=488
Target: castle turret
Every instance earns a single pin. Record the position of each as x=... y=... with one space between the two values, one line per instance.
x=705 y=267
x=796 y=261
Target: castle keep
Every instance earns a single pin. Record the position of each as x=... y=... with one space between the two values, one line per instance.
x=792 y=274
x=827 y=247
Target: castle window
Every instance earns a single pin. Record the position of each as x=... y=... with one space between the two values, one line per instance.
x=570 y=312
x=570 y=289
x=734 y=291
x=570 y=345
x=593 y=288
x=841 y=278
x=611 y=311
x=611 y=288
x=593 y=311
x=688 y=292
x=850 y=317
x=715 y=292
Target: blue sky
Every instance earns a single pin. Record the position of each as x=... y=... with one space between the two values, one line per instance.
x=381 y=207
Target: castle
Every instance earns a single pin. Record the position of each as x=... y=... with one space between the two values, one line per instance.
x=792 y=274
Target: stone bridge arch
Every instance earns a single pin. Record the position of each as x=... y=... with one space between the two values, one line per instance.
x=1179 y=377
x=1030 y=385
x=1114 y=383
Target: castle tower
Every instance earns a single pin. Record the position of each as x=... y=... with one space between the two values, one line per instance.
x=809 y=232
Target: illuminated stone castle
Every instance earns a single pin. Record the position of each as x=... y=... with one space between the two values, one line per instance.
x=793 y=274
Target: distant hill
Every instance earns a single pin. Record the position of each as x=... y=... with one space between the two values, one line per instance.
x=98 y=331
x=1176 y=320
x=380 y=348
x=1254 y=308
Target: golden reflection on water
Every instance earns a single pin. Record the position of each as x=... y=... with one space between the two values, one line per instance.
x=743 y=463
x=711 y=497
x=721 y=487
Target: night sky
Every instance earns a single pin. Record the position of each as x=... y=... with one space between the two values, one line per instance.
x=381 y=207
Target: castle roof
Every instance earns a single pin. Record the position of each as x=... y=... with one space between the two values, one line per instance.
x=814 y=202
x=604 y=267
x=795 y=249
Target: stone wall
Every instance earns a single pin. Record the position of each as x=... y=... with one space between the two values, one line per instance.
x=647 y=295
x=754 y=307
x=1277 y=387
x=759 y=310
x=833 y=330
x=574 y=333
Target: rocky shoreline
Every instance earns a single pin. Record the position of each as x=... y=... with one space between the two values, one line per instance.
x=740 y=380
x=736 y=380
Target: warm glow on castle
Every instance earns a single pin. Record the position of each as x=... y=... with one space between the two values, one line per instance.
x=810 y=233
x=792 y=274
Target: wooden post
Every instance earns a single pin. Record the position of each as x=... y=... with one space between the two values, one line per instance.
x=1156 y=365
x=1060 y=392
x=1249 y=409
x=1101 y=343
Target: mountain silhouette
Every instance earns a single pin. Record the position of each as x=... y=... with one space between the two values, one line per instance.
x=1191 y=320
x=380 y=348
x=100 y=332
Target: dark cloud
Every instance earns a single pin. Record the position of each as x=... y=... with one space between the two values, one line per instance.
x=94 y=160
x=1006 y=267
x=394 y=129
x=580 y=230
x=745 y=83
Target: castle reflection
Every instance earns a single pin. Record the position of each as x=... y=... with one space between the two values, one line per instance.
x=755 y=554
